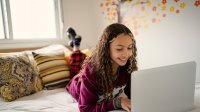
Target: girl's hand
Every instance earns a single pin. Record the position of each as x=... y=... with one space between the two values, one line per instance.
x=126 y=104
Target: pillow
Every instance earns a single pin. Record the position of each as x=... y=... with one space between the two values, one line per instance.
x=55 y=49
x=18 y=77
x=53 y=70
x=67 y=55
x=7 y=54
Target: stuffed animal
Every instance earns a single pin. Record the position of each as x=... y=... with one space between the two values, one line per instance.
x=76 y=57
x=72 y=36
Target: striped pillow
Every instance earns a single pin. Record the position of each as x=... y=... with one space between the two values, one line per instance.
x=53 y=70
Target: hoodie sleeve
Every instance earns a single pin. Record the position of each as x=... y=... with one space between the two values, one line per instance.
x=88 y=98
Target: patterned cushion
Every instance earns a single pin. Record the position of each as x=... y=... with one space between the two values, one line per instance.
x=18 y=77
x=53 y=70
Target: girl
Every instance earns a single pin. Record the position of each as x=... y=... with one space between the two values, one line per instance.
x=103 y=83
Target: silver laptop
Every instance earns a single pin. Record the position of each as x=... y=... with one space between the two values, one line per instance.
x=164 y=89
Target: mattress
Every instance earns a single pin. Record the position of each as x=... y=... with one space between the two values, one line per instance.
x=58 y=100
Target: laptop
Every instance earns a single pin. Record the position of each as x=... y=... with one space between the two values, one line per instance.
x=164 y=89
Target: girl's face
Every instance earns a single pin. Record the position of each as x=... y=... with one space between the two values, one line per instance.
x=121 y=50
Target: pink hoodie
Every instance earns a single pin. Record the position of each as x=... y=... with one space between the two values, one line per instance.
x=85 y=91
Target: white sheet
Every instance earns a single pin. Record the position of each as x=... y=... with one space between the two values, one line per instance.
x=197 y=95
x=58 y=100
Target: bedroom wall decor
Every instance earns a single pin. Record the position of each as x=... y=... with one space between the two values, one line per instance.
x=109 y=9
x=139 y=14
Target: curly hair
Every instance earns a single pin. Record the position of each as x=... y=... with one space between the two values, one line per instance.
x=100 y=59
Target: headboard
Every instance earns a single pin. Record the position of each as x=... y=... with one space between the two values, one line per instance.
x=24 y=49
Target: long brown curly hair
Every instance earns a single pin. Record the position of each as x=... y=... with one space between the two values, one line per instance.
x=100 y=59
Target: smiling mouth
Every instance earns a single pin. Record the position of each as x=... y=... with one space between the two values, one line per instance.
x=123 y=60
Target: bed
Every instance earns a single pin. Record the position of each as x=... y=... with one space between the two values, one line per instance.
x=57 y=100
x=197 y=98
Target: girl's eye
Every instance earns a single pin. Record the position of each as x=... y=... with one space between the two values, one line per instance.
x=130 y=48
x=119 y=49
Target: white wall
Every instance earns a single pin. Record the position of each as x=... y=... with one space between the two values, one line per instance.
x=175 y=39
x=79 y=14
x=85 y=16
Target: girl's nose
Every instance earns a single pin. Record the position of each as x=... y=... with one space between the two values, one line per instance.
x=125 y=54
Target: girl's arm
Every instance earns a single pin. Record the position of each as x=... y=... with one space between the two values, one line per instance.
x=88 y=95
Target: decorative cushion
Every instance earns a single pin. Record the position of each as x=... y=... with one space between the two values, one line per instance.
x=87 y=52
x=53 y=70
x=7 y=54
x=55 y=49
x=18 y=77
x=67 y=55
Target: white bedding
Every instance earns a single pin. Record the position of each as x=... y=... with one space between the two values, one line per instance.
x=197 y=95
x=58 y=100
x=197 y=99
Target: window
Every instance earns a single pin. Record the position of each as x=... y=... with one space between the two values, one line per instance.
x=2 y=36
x=30 y=20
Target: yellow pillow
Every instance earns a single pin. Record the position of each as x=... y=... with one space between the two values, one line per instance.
x=53 y=70
x=87 y=52
x=67 y=55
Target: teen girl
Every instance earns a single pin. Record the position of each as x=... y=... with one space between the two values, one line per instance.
x=103 y=83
